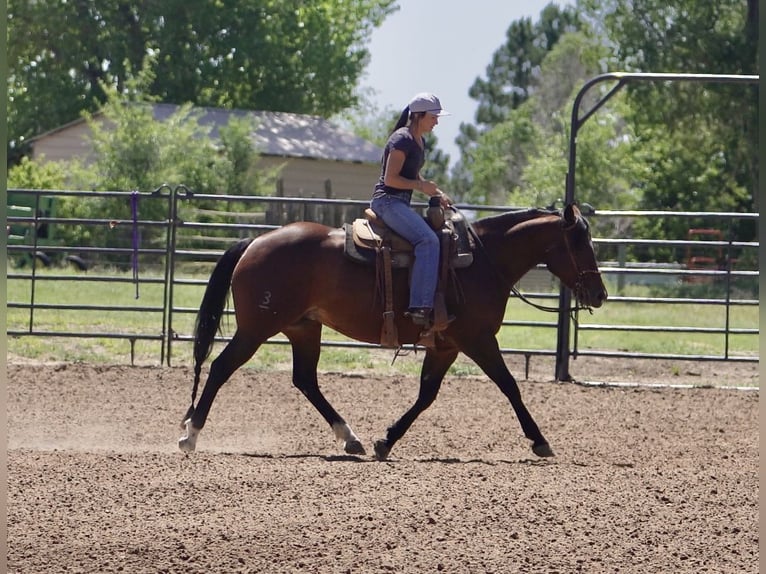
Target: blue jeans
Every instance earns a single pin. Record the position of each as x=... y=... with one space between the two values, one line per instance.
x=399 y=216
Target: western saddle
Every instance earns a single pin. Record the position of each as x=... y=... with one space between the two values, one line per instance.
x=369 y=241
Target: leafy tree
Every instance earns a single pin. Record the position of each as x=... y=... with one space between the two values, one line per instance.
x=511 y=78
x=236 y=170
x=254 y=54
x=609 y=161
x=498 y=160
x=512 y=75
x=608 y=165
x=702 y=136
x=524 y=160
x=690 y=174
x=132 y=151
x=28 y=174
x=366 y=120
x=437 y=164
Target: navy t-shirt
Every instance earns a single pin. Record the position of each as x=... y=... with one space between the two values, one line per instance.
x=414 y=158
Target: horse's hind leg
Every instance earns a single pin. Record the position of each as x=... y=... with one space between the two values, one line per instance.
x=236 y=353
x=305 y=338
x=435 y=366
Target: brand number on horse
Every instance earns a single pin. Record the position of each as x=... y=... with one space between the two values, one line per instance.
x=266 y=301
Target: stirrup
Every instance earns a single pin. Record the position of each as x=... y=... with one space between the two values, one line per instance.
x=427 y=337
x=421 y=317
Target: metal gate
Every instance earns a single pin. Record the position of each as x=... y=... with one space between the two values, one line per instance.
x=175 y=249
x=563 y=346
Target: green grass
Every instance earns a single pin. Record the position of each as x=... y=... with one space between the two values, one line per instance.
x=130 y=322
x=670 y=315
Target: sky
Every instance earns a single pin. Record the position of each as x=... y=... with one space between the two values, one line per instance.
x=441 y=46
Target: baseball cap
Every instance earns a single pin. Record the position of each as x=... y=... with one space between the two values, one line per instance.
x=425 y=102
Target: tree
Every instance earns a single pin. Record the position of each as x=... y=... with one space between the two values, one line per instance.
x=236 y=171
x=703 y=136
x=523 y=161
x=512 y=75
x=28 y=174
x=271 y=55
x=132 y=151
x=609 y=161
x=366 y=120
x=498 y=160
x=511 y=78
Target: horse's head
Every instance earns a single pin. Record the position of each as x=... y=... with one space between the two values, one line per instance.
x=573 y=259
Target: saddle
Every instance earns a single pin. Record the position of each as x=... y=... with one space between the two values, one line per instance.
x=369 y=241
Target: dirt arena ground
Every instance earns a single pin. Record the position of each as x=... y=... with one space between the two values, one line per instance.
x=646 y=480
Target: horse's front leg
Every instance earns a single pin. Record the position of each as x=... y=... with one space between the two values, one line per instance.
x=435 y=366
x=305 y=338
x=486 y=353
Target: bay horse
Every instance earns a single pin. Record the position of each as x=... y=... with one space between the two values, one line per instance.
x=296 y=278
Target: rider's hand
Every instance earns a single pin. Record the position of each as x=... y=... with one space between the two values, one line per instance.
x=444 y=199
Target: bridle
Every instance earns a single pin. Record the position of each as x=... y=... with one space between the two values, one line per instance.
x=581 y=273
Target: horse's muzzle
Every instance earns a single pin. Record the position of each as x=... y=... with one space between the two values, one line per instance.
x=591 y=291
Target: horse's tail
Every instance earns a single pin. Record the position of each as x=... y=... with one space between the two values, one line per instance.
x=211 y=310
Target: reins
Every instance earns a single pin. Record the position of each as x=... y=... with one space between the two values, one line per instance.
x=512 y=288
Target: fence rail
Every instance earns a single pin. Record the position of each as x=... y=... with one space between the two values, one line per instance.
x=180 y=231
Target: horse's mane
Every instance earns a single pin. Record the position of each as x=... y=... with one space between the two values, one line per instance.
x=503 y=222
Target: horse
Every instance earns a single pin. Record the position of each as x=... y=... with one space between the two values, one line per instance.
x=296 y=278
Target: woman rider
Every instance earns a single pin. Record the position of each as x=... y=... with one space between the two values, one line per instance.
x=403 y=158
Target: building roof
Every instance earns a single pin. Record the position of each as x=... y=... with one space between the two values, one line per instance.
x=281 y=134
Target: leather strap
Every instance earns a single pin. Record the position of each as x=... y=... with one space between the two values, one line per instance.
x=388 y=335
x=440 y=304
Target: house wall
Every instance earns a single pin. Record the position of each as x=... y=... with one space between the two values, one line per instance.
x=306 y=177
x=301 y=177
x=71 y=142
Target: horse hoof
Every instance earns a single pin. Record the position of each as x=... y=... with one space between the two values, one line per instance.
x=186 y=445
x=382 y=450
x=354 y=447
x=189 y=442
x=543 y=450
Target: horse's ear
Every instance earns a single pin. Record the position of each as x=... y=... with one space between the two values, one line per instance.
x=570 y=215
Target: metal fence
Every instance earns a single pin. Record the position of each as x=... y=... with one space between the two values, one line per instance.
x=165 y=242
x=580 y=116
x=719 y=273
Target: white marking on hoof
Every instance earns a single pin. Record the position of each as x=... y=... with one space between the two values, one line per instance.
x=351 y=442
x=189 y=442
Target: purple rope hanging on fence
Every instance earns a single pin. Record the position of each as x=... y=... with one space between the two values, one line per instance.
x=134 y=209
